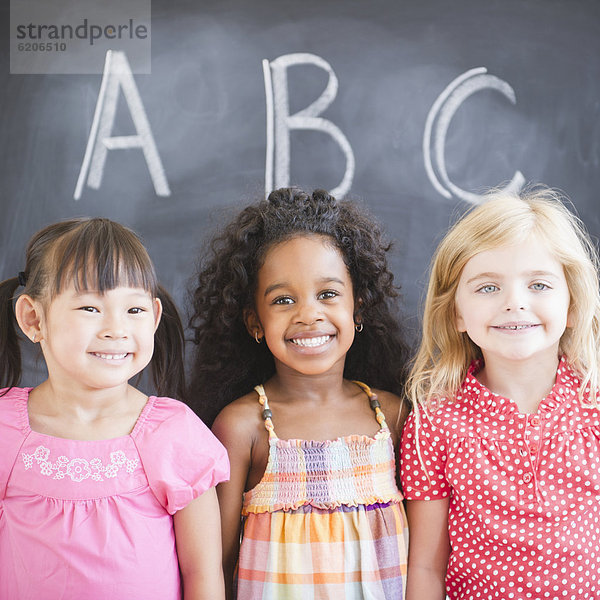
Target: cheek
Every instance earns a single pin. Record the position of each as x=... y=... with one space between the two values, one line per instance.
x=149 y=334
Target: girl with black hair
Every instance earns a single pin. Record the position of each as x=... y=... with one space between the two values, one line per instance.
x=296 y=300
x=104 y=492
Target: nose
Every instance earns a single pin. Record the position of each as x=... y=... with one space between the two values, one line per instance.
x=113 y=328
x=308 y=312
x=516 y=300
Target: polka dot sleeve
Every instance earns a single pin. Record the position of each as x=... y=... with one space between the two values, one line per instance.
x=423 y=459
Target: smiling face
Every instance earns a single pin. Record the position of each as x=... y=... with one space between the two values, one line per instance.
x=98 y=341
x=513 y=302
x=304 y=306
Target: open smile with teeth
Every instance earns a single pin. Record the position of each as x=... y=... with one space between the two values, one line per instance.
x=311 y=342
x=515 y=327
x=110 y=356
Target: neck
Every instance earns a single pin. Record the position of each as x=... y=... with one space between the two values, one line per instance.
x=82 y=414
x=525 y=382
x=83 y=404
x=292 y=385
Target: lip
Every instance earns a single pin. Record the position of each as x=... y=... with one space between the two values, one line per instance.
x=516 y=327
x=113 y=357
x=310 y=341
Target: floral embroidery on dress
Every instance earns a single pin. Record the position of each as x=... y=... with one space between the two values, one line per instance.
x=79 y=469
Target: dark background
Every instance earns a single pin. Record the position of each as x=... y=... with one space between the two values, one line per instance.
x=205 y=102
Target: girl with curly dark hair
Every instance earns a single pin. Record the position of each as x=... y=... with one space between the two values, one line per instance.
x=296 y=299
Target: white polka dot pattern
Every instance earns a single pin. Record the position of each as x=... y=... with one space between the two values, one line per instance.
x=524 y=516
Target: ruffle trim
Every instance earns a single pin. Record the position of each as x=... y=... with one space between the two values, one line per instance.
x=472 y=389
x=382 y=434
x=291 y=506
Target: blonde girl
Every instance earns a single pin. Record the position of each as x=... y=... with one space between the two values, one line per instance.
x=501 y=455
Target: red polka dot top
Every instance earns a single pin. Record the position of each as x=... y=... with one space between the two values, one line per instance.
x=524 y=490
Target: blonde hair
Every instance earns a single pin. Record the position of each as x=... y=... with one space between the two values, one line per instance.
x=504 y=218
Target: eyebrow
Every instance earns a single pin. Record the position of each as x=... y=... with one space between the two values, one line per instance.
x=491 y=275
x=283 y=284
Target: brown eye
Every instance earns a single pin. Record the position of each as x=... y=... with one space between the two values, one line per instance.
x=328 y=295
x=90 y=309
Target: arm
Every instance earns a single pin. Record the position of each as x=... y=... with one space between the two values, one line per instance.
x=428 y=549
x=395 y=410
x=198 y=538
x=227 y=428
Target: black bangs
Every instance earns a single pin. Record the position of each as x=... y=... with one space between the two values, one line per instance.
x=101 y=255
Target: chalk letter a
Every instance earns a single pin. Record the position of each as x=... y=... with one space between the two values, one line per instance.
x=280 y=122
x=117 y=75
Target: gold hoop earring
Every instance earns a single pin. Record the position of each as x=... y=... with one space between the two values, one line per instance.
x=258 y=340
x=359 y=327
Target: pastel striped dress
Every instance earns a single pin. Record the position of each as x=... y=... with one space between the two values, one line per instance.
x=326 y=521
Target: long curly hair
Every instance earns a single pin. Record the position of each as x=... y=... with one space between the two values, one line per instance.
x=227 y=362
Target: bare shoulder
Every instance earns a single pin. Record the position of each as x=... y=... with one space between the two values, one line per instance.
x=239 y=421
x=391 y=404
x=395 y=409
x=241 y=429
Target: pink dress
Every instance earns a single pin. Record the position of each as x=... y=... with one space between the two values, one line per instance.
x=93 y=519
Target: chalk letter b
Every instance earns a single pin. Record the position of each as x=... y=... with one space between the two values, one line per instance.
x=280 y=122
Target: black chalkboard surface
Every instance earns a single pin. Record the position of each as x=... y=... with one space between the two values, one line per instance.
x=435 y=101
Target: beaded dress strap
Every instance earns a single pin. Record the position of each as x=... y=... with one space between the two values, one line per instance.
x=267 y=415
x=374 y=402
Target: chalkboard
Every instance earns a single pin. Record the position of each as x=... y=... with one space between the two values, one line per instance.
x=416 y=107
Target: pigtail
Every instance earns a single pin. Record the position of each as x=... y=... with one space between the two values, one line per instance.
x=167 y=363
x=10 y=352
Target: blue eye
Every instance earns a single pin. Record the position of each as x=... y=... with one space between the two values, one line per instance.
x=488 y=289
x=539 y=286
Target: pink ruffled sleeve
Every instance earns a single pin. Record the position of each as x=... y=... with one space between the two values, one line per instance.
x=423 y=459
x=181 y=456
x=14 y=425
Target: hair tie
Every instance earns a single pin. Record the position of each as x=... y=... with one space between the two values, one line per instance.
x=22 y=278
